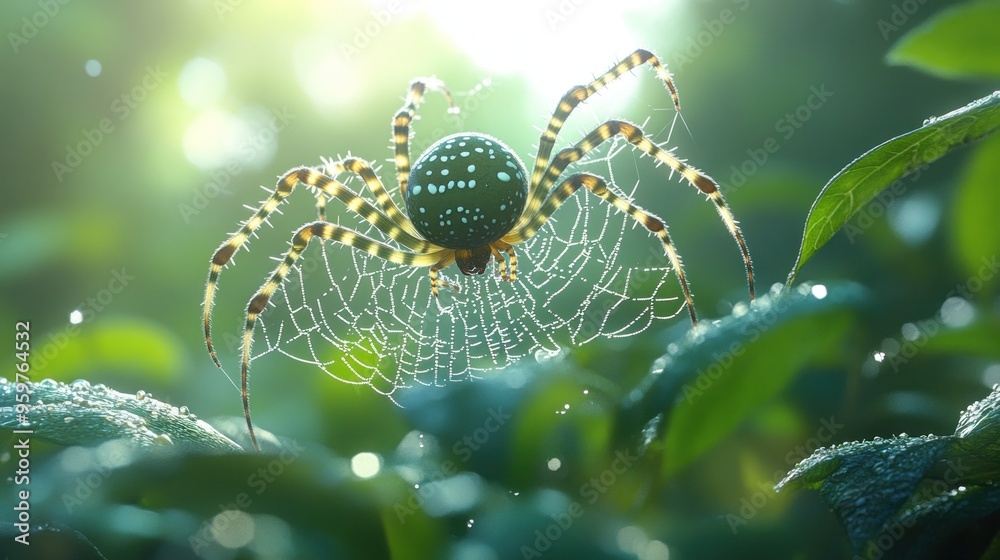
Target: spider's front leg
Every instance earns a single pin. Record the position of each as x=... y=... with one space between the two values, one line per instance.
x=326 y=189
x=314 y=230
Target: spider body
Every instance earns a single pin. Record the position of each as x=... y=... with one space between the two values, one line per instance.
x=465 y=192
x=466 y=204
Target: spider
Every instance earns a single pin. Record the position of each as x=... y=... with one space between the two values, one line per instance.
x=469 y=200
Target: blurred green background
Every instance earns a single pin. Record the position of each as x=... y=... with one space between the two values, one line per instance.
x=119 y=120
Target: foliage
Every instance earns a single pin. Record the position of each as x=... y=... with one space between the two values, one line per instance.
x=85 y=414
x=665 y=444
x=905 y=495
x=958 y=42
x=858 y=183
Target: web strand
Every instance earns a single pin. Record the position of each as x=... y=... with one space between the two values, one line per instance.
x=590 y=273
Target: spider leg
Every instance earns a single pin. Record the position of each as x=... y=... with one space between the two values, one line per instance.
x=600 y=188
x=505 y=275
x=568 y=103
x=321 y=230
x=401 y=123
x=502 y=265
x=512 y=256
x=364 y=170
x=325 y=187
x=635 y=136
x=320 y=207
x=436 y=281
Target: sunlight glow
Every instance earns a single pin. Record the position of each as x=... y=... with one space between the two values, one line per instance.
x=217 y=138
x=568 y=42
x=330 y=81
x=202 y=83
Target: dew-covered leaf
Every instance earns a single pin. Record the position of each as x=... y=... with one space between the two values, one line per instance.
x=939 y=517
x=709 y=380
x=915 y=491
x=867 y=483
x=85 y=414
x=978 y=434
x=858 y=183
x=981 y=419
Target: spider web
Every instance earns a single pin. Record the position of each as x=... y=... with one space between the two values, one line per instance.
x=590 y=272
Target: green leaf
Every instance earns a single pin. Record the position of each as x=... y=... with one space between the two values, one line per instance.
x=709 y=382
x=936 y=519
x=977 y=200
x=118 y=345
x=859 y=182
x=918 y=491
x=979 y=438
x=978 y=338
x=867 y=483
x=980 y=419
x=960 y=42
x=85 y=414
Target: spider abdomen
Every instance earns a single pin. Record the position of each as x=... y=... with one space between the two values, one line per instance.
x=466 y=191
